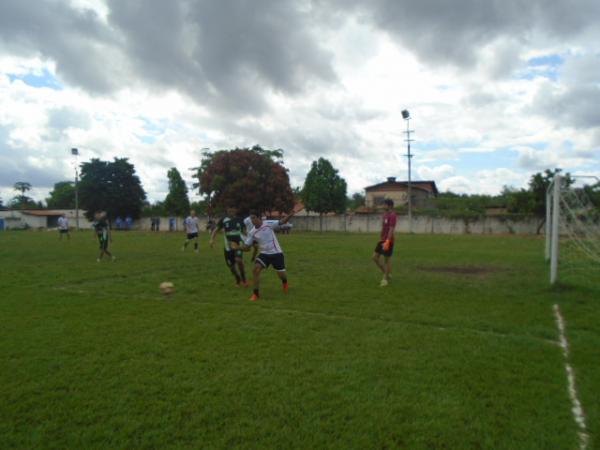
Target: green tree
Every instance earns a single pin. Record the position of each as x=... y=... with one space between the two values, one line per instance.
x=177 y=202
x=62 y=196
x=538 y=185
x=248 y=178
x=112 y=187
x=356 y=201
x=22 y=201
x=324 y=190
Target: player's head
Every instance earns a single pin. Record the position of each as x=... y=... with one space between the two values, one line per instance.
x=193 y=213
x=231 y=210
x=389 y=204
x=256 y=219
x=99 y=215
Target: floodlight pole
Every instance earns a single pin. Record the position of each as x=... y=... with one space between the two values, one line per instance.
x=75 y=153
x=408 y=140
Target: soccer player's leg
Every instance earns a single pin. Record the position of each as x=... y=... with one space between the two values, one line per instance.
x=279 y=266
x=377 y=256
x=259 y=265
x=230 y=261
x=239 y=260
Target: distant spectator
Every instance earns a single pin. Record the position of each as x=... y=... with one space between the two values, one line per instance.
x=157 y=224
x=128 y=222
x=118 y=223
x=172 y=224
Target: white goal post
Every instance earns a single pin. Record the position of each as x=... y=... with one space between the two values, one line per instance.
x=572 y=227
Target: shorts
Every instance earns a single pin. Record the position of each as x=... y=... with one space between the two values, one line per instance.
x=192 y=236
x=231 y=255
x=236 y=239
x=61 y=231
x=276 y=259
x=379 y=249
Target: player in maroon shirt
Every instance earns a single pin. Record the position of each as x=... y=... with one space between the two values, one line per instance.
x=385 y=246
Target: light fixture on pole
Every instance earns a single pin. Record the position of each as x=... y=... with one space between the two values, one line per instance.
x=408 y=140
x=75 y=154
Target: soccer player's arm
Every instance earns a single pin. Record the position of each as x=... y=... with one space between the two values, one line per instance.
x=214 y=233
x=286 y=218
x=247 y=244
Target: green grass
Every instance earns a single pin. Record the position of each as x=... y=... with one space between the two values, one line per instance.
x=460 y=351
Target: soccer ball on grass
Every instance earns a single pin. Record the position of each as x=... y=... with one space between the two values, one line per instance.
x=166 y=288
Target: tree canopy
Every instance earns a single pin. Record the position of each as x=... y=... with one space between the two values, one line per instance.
x=112 y=187
x=248 y=178
x=62 y=196
x=177 y=202
x=324 y=190
x=23 y=201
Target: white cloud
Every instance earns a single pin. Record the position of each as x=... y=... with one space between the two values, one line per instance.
x=334 y=87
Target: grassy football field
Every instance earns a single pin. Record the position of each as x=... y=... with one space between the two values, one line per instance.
x=459 y=352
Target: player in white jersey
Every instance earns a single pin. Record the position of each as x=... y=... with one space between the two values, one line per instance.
x=270 y=252
x=191 y=228
x=63 y=227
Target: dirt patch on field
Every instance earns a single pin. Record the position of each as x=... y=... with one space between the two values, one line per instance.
x=460 y=270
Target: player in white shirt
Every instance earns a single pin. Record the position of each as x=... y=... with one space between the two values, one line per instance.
x=191 y=228
x=63 y=227
x=270 y=252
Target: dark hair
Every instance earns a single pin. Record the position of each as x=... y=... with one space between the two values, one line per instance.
x=389 y=202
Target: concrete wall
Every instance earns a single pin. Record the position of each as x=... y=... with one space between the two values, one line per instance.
x=371 y=223
x=145 y=223
x=16 y=219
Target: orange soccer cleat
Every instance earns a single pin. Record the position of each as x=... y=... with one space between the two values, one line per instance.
x=254 y=298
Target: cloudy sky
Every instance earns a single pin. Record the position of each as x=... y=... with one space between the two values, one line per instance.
x=497 y=90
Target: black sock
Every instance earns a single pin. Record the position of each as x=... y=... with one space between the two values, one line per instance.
x=195 y=246
x=283 y=280
x=256 y=292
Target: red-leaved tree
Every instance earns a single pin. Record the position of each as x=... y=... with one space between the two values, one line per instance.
x=248 y=178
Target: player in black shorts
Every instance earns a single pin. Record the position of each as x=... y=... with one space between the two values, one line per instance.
x=232 y=227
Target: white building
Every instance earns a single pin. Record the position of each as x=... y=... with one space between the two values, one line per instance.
x=40 y=218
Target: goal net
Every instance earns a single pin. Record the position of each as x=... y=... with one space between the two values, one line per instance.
x=573 y=230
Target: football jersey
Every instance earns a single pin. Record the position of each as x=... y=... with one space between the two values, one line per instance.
x=63 y=223
x=265 y=237
x=231 y=226
x=191 y=224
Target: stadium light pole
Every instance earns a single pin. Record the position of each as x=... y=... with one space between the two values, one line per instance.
x=408 y=140
x=75 y=154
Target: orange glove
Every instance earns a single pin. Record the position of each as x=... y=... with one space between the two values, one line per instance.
x=386 y=245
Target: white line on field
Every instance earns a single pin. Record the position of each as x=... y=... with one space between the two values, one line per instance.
x=577 y=409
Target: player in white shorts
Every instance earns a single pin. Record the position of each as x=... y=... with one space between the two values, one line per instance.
x=191 y=228
x=270 y=252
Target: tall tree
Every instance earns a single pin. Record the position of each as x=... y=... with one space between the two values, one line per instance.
x=324 y=190
x=249 y=178
x=62 y=196
x=22 y=201
x=112 y=187
x=177 y=202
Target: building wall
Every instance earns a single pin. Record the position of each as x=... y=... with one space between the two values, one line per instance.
x=371 y=223
x=15 y=219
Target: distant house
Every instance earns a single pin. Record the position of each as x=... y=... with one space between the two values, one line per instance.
x=40 y=218
x=422 y=193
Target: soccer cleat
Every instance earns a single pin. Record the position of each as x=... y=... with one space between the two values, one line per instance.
x=254 y=298
x=383 y=283
x=285 y=288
